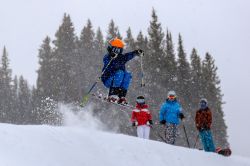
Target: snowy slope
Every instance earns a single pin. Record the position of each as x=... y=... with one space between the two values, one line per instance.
x=42 y=145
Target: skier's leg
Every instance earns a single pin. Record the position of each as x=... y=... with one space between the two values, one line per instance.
x=124 y=87
x=174 y=133
x=118 y=78
x=210 y=142
x=140 y=131
x=108 y=83
x=170 y=138
x=126 y=80
x=203 y=136
x=146 y=131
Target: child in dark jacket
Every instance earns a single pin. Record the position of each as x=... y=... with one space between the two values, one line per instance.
x=141 y=118
x=203 y=122
x=115 y=76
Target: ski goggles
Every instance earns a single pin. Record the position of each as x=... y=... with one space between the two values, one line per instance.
x=140 y=101
x=117 y=50
x=171 y=97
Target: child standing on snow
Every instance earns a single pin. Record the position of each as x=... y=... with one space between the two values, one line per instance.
x=203 y=121
x=115 y=76
x=141 y=118
x=170 y=113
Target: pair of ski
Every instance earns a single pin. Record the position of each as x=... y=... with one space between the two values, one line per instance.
x=104 y=99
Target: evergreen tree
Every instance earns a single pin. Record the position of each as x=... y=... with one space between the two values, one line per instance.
x=133 y=65
x=154 y=59
x=100 y=50
x=129 y=40
x=170 y=63
x=5 y=89
x=65 y=60
x=99 y=46
x=196 y=74
x=24 y=102
x=141 y=42
x=15 y=116
x=45 y=72
x=112 y=31
x=183 y=76
x=88 y=57
x=212 y=91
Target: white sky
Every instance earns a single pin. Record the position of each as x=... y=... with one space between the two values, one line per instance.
x=218 y=26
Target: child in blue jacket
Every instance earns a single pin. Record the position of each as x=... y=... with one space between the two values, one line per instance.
x=115 y=76
x=170 y=113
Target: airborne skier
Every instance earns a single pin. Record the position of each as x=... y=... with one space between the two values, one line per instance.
x=115 y=76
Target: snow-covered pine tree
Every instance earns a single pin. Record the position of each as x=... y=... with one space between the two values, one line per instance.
x=196 y=75
x=183 y=76
x=154 y=60
x=6 y=101
x=65 y=58
x=170 y=64
x=113 y=32
x=212 y=92
x=88 y=57
x=45 y=72
x=24 y=101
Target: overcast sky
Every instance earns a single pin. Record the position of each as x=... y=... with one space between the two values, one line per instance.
x=220 y=27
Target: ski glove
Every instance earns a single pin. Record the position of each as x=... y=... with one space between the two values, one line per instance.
x=181 y=116
x=113 y=55
x=163 y=122
x=139 y=52
x=134 y=124
x=149 y=122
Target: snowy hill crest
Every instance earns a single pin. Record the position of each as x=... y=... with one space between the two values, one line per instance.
x=82 y=144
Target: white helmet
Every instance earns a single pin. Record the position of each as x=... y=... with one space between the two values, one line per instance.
x=203 y=100
x=171 y=93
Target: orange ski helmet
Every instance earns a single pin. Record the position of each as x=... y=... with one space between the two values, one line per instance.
x=115 y=42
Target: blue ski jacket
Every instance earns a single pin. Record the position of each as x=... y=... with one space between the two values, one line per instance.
x=170 y=111
x=117 y=64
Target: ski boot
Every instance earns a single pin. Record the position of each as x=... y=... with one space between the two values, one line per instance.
x=113 y=99
x=122 y=101
x=122 y=93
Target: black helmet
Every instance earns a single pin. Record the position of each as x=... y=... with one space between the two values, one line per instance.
x=140 y=100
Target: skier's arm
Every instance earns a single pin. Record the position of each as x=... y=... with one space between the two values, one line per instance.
x=197 y=118
x=105 y=61
x=130 y=55
x=180 y=114
x=209 y=119
x=162 y=112
x=133 y=117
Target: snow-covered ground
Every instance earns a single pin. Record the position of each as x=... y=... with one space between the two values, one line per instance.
x=83 y=144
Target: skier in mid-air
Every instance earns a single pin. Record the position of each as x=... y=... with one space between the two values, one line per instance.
x=170 y=113
x=115 y=76
x=141 y=118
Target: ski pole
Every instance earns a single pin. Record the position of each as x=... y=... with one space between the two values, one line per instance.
x=142 y=73
x=184 y=128
x=86 y=96
x=196 y=140
x=158 y=134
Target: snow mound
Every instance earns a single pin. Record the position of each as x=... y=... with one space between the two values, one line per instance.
x=42 y=145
